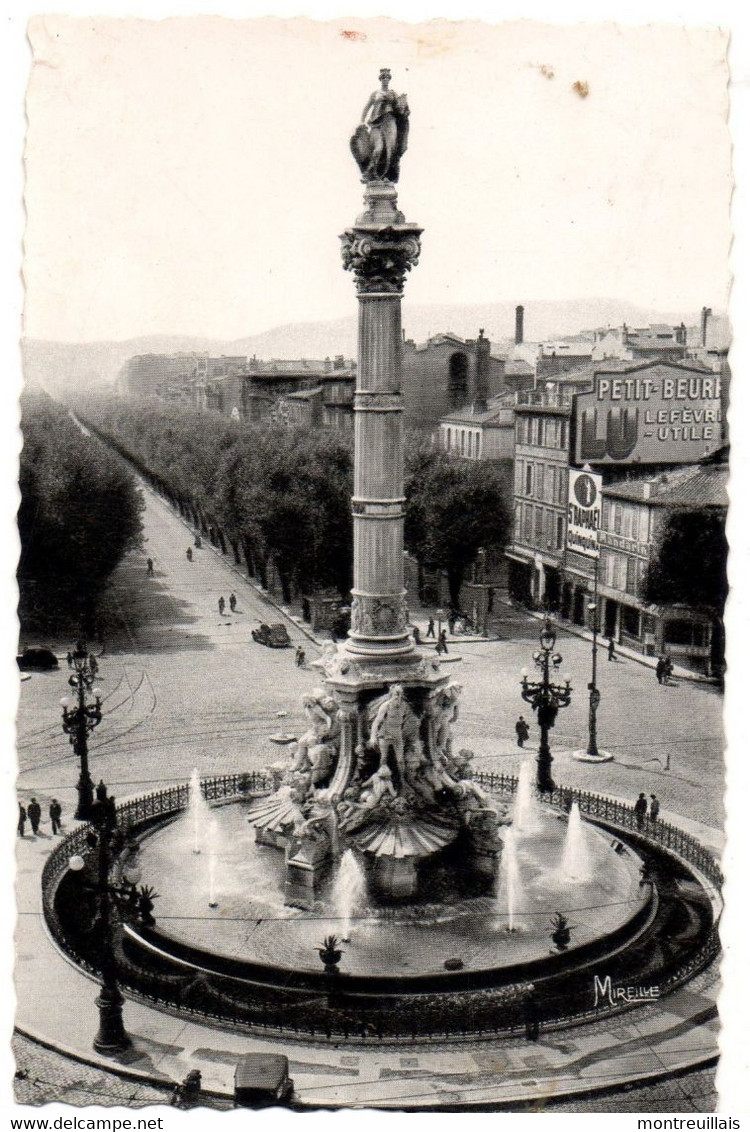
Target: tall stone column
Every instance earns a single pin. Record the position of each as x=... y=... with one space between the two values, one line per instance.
x=379 y=249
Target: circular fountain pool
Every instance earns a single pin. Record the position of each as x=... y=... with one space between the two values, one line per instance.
x=457 y=916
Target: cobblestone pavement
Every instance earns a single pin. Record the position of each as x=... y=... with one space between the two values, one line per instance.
x=50 y=1077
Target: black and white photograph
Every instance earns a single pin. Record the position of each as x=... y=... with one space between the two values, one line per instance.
x=374 y=620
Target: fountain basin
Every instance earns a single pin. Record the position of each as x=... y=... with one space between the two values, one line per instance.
x=458 y=915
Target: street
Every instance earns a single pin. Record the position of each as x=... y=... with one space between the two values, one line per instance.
x=185 y=687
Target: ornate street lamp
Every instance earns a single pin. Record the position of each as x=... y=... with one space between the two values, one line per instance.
x=546 y=697
x=80 y=718
x=111 y=1036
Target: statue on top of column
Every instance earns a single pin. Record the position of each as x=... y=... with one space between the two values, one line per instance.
x=380 y=140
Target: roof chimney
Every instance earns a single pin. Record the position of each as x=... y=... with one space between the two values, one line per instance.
x=705 y=315
x=481 y=387
x=519 y=325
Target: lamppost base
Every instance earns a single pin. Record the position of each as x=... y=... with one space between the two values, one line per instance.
x=111 y=1037
x=600 y=756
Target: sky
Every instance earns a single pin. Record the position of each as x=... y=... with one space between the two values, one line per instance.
x=192 y=175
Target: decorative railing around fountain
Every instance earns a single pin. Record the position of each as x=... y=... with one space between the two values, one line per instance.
x=613 y=812
x=427 y=1017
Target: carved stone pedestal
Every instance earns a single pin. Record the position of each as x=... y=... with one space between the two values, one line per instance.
x=394 y=878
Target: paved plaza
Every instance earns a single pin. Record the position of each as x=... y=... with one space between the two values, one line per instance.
x=185 y=687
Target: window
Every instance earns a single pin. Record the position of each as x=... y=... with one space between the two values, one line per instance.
x=549 y=494
x=630 y=583
x=458 y=380
x=529 y=474
x=686 y=633
x=527 y=521
x=538 y=524
x=605 y=514
x=539 y=492
x=618 y=518
x=463 y=441
x=540 y=431
x=631 y=621
x=643 y=524
x=563 y=434
x=520 y=430
x=560 y=534
x=562 y=486
x=549 y=533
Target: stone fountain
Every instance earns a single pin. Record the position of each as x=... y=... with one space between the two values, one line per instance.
x=376 y=770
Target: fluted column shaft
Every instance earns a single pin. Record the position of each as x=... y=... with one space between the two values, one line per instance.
x=380 y=249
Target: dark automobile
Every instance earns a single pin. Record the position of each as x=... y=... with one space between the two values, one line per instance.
x=37 y=659
x=262 y=1080
x=274 y=636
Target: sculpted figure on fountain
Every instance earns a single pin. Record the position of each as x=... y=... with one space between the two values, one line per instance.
x=316 y=750
x=394 y=728
x=377 y=790
x=444 y=715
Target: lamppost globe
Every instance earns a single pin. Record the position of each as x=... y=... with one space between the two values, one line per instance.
x=524 y=673
x=65 y=702
x=547 y=637
x=96 y=693
x=76 y=863
x=567 y=678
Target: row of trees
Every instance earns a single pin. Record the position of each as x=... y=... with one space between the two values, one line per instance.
x=282 y=495
x=80 y=512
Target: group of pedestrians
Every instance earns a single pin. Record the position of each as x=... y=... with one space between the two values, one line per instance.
x=644 y=809
x=33 y=814
x=441 y=638
x=223 y=604
x=664 y=669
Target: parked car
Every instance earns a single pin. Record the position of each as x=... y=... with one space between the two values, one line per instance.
x=273 y=636
x=262 y=1080
x=37 y=659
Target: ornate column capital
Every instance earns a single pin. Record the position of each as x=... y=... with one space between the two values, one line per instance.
x=380 y=257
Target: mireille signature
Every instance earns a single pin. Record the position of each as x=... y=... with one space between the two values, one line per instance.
x=606 y=991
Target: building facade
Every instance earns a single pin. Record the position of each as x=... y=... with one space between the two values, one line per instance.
x=540 y=497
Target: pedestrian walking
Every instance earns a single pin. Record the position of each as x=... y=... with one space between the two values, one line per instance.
x=431 y=628
x=660 y=670
x=189 y=554
x=452 y=622
x=522 y=731
x=442 y=643
x=198 y=542
x=668 y=669
x=55 y=814
x=149 y=566
x=655 y=807
x=22 y=815
x=232 y=602
x=222 y=603
x=299 y=656
x=101 y=791
x=35 y=815
x=640 y=809
x=611 y=649
x=417 y=636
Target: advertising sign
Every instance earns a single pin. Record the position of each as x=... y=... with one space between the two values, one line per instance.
x=584 y=513
x=657 y=414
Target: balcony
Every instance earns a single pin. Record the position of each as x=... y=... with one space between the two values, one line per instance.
x=542 y=399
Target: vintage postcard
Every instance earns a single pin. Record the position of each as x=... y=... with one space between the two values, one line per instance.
x=373 y=566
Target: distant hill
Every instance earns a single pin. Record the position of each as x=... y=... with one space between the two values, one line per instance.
x=59 y=365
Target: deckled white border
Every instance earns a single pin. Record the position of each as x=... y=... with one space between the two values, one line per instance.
x=734 y=1074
